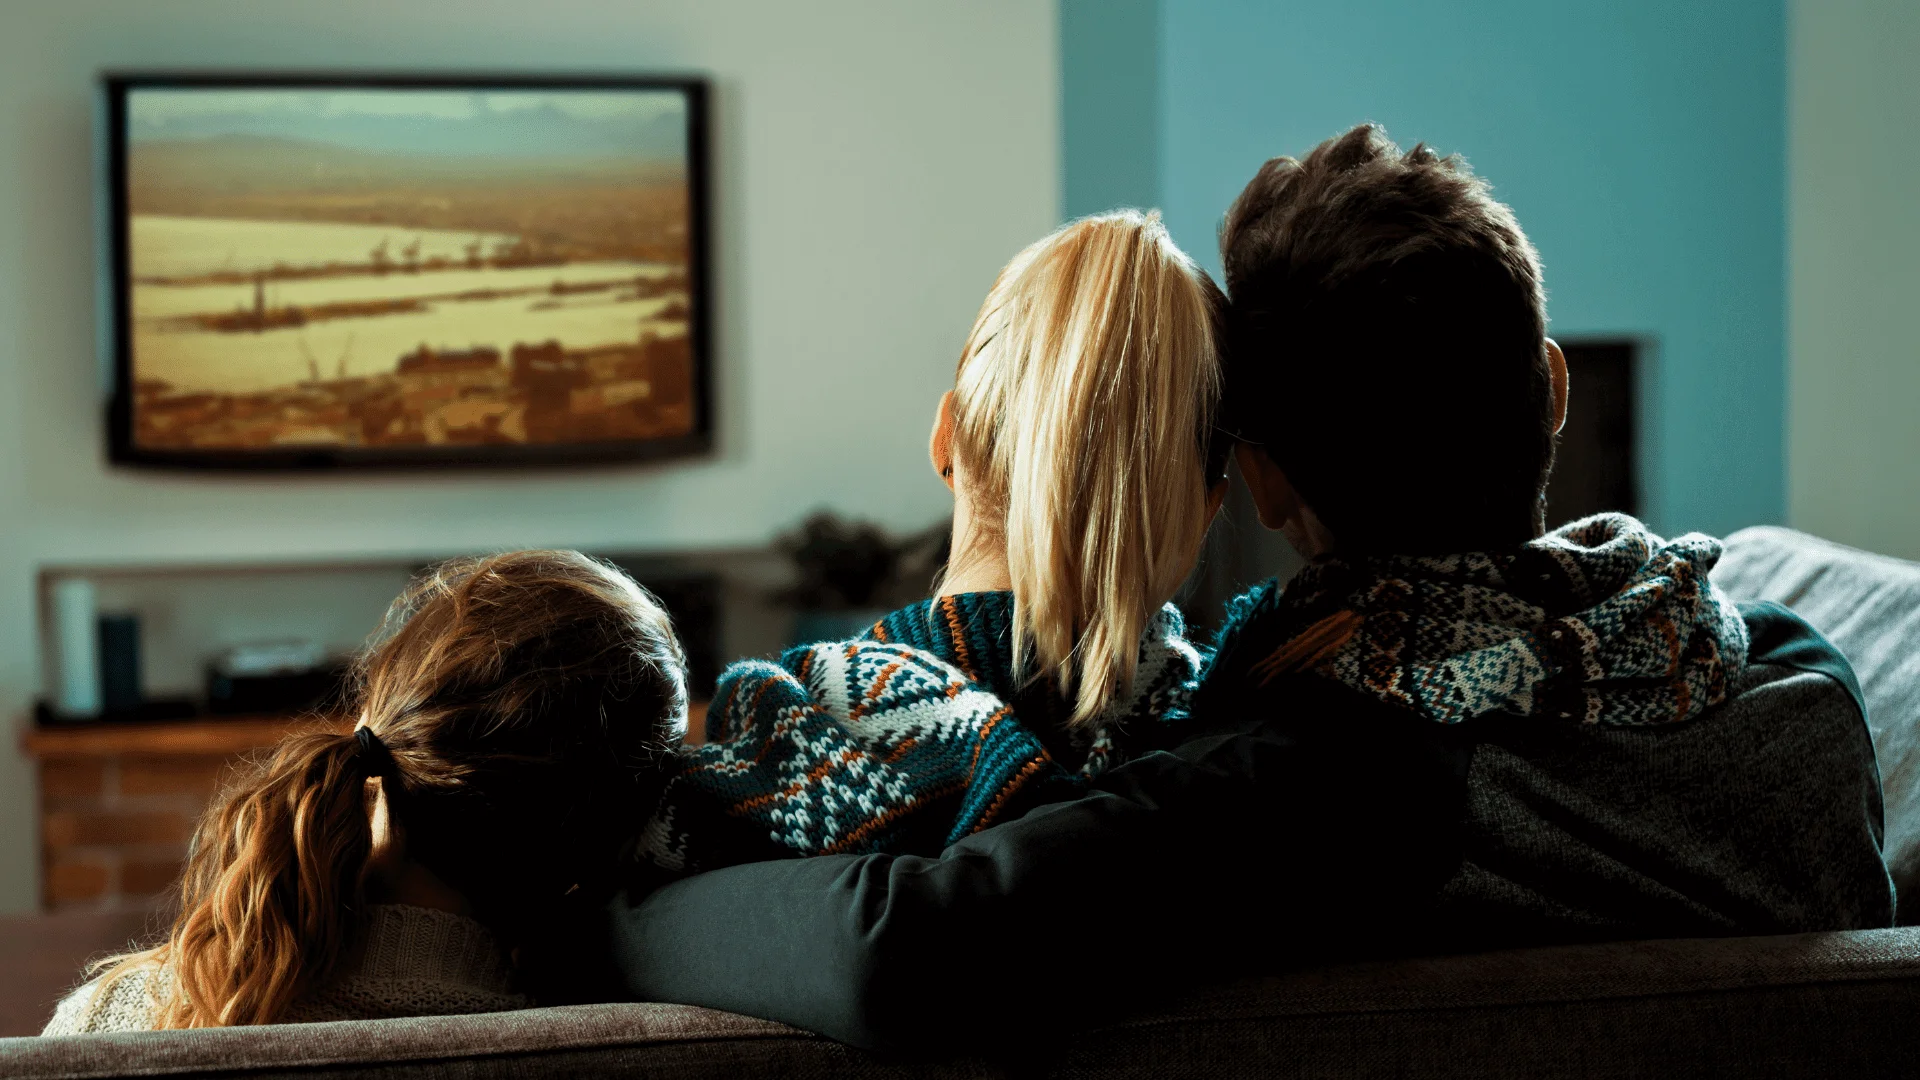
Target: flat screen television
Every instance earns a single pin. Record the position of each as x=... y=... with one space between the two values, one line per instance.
x=314 y=272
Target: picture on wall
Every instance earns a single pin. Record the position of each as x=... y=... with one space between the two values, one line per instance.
x=315 y=272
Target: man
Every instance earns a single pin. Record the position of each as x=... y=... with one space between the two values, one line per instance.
x=1449 y=731
x=1645 y=759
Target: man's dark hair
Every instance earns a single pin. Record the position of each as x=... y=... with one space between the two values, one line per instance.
x=1386 y=346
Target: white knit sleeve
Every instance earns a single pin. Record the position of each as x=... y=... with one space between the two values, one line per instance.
x=128 y=1005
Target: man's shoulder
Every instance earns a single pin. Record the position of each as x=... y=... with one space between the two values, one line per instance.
x=1797 y=696
x=1784 y=645
x=1795 y=711
x=1762 y=814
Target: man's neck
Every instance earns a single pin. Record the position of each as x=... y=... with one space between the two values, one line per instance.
x=1308 y=534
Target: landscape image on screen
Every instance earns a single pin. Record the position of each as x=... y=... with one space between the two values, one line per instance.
x=393 y=268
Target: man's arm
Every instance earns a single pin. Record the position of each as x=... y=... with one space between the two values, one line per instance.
x=1233 y=849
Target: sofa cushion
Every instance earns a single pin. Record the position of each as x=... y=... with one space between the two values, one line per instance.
x=1869 y=606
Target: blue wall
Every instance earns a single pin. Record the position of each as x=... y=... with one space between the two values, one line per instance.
x=1109 y=105
x=1642 y=144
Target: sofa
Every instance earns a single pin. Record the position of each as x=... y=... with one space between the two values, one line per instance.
x=1832 y=1004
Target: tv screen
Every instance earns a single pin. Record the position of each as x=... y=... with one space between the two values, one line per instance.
x=313 y=272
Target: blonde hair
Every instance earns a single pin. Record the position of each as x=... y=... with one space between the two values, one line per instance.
x=1083 y=410
x=523 y=700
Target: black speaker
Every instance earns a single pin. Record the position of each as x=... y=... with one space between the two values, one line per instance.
x=120 y=663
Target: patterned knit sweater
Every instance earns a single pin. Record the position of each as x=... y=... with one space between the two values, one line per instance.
x=903 y=741
x=414 y=962
x=1598 y=622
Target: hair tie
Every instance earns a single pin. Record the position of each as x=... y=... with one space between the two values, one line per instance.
x=373 y=754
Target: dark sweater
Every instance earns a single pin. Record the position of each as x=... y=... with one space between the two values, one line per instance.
x=1763 y=816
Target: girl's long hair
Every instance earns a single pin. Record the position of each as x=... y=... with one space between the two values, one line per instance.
x=524 y=701
x=1083 y=415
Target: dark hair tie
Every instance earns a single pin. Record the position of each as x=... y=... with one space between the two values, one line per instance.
x=373 y=754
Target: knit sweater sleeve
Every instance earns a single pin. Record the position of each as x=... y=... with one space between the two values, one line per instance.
x=1248 y=846
x=126 y=1004
x=846 y=747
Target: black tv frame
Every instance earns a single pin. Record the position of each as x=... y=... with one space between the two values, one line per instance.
x=121 y=449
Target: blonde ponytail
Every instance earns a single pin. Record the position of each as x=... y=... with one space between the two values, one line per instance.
x=1083 y=408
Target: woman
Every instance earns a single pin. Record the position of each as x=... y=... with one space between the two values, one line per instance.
x=515 y=719
x=1079 y=445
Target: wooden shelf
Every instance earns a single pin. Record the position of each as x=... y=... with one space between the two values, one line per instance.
x=205 y=735
x=202 y=735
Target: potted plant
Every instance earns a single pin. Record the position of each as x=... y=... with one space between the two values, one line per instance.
x=848 y=574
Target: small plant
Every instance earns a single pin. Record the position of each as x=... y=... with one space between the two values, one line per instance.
x=841 y=564
x=853 y=565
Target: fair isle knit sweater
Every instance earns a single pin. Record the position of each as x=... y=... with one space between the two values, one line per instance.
x=1598 y=622
x=413 y=962
x=903 y=741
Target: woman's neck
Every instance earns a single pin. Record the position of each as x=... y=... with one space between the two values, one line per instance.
x=978 y=562
x=414 y=885
x=394 y=878
x=978 y=574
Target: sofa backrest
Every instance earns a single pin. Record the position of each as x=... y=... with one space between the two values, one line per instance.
x=1869 y=606
x=1799 y=1005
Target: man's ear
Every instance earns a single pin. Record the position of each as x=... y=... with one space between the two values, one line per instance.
x=1273 y=496
x=1557 y=372
x=1216 y=495
x=940 y=443
x=1280 y=506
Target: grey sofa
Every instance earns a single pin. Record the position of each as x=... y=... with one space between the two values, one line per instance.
x=1841 y=1004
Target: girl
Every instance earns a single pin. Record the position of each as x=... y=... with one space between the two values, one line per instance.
x=515 y=716
x=1079 y=446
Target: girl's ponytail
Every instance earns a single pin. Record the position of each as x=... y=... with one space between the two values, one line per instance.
x=1083 y=408
x=273 y=889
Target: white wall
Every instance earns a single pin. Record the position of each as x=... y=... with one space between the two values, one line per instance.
x=875 y=164
x=1853 y=233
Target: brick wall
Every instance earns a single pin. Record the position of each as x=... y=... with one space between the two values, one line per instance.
x=114 y=829
x=119 y=802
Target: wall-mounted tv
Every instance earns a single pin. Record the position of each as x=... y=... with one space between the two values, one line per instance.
x=393 y=271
